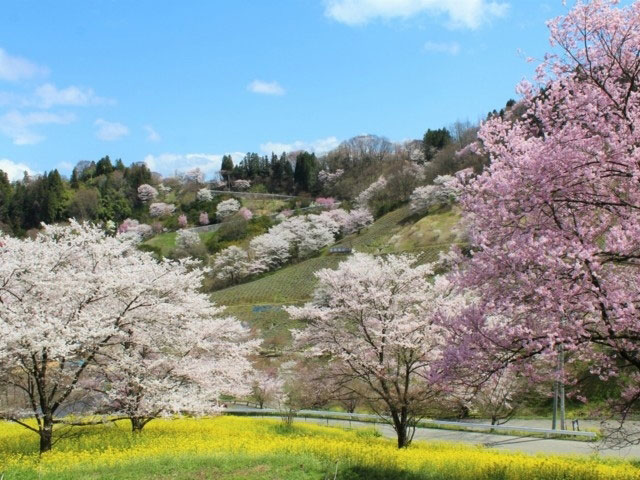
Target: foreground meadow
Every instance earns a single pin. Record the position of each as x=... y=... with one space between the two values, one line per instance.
x=243 y=448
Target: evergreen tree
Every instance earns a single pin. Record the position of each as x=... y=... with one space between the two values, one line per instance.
x=75 y=183
x=435 y=140
x=104 y=166
x=53 y=197
x=227 y=167
x=305 y=171
x=5 y=196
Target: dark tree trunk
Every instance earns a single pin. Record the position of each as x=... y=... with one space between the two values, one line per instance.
x=138 y=423
x=46 y=434
x=401 y=426
x=402 y=437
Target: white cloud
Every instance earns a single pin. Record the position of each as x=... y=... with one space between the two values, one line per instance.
x=461 y=13
x=321 y=145
x=15 y=171
x=65 y=167
x=48 y=95
x=265 y=88
x=109 y=131
x=17 y=125
x=169 y=163
x=13 y=68
x=451 y=48
x=152 y=135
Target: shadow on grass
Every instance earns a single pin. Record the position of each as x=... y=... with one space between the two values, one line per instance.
x=357 y=472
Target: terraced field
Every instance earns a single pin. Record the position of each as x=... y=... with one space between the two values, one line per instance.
x=259 y=303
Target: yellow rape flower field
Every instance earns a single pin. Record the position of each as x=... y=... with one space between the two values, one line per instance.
x=244 y=448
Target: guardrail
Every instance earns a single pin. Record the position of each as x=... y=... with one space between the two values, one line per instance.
x=515 y=428
x=444 y=423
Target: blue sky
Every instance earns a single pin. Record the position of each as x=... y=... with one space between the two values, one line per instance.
x=178 y=84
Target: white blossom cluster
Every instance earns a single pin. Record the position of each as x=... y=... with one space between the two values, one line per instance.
x=226 y=208
x=87 y=317
x=242 y=185
x=204 y=195
x=293 y=237
x=147 y=193
x=443 y=192
x=187 y=239
x=161 y=209
x=328 y=178
x=363 y=199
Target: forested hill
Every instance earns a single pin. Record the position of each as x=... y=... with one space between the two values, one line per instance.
x=107 y=190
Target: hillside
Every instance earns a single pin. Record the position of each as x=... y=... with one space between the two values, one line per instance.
x=259 y=303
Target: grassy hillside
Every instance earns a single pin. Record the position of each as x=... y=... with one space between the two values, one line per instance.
x=259 y=303
x=167 y=241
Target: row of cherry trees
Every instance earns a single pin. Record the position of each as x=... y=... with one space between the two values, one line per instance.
x=295 y=237
x=90 y=324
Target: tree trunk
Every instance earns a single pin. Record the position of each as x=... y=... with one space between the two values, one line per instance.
x=46 y=434
x=137 y=423
x=400 y=425
x=401 y=430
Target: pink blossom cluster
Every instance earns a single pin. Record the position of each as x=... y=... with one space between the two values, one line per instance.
x=245 y=213
x=554 y=220
x=326 y=202
x=133 y=229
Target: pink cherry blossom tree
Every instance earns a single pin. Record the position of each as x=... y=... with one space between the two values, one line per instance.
x=75 y=304
x=134 y=230
x=328 y=203
x=203 y=219
x=246 y=213
x=555 y=218
x=374 y=318
x=182 y=221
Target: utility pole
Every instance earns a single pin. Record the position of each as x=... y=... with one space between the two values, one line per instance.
x=561 y=382
x=558 y=392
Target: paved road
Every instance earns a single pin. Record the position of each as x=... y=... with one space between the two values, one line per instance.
x=502 y=442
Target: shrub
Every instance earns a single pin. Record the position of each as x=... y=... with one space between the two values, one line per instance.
x=235 y=228
x=213 y=244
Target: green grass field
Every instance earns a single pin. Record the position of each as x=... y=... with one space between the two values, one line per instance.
x=167 y=241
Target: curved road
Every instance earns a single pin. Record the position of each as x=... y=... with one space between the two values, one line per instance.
x=523 y=444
